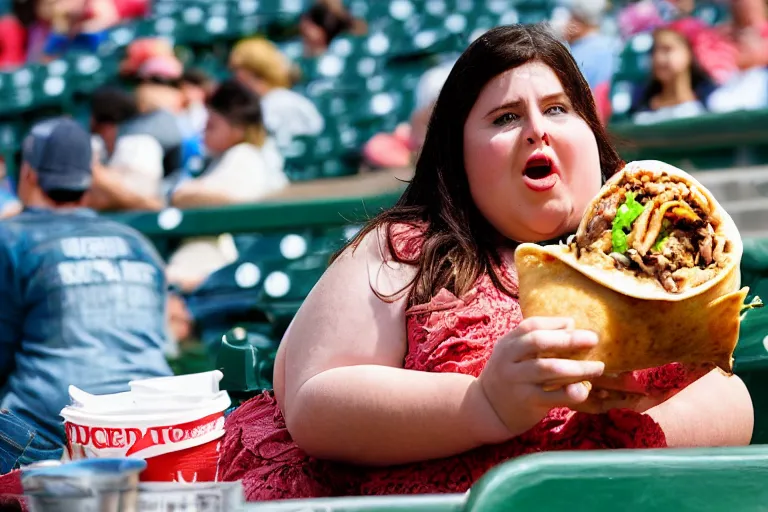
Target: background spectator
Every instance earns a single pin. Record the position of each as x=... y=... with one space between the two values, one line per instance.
x=13 y=41
x=595 y=53
x=648 y=15
x=678 y=86
x=128 y=172
x=246 y=164
x=749 y=31
x=747 y=87
x=246 y=167
x=60 y=314
x=141 y=50
x=322 y=22
x=258 y=64
x=77 y=24
x=196 y=85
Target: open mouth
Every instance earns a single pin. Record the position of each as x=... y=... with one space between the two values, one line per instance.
x=540 y=173
x=538 y=168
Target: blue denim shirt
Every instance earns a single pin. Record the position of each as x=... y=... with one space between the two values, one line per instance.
x=82 y=301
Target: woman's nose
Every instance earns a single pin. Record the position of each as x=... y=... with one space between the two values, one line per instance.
x=537 y=133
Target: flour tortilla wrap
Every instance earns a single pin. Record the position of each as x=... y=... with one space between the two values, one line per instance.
x=645 y=310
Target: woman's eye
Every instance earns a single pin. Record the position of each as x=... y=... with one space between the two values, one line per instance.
x=505 y=119
x=557 y=109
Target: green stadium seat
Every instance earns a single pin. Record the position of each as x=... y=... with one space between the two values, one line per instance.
x=712 y=13
x=751 y=356
x=430 y=39
x=395 y=10
x=293 y=49
x=633 y=69
x=89 y=71
x=247 y=360
x=34 y=86
x=329 y=154
x=122 y=35
x=626 y=480
x=192 y=358
x=11 y=136
x=329 y=240
x=286 y=286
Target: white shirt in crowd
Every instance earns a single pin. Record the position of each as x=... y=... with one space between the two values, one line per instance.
x=138 y=159
x=246 y=173
x=288 y=114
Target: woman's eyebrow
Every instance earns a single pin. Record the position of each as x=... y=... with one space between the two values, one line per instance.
x=512 y=105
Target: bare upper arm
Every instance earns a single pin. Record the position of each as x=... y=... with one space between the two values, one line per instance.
x=343 y=322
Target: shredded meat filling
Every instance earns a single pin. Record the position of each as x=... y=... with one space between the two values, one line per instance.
x=672 y=241
x=604 y=214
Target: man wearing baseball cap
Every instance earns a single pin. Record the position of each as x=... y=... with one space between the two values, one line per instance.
x=83 y=298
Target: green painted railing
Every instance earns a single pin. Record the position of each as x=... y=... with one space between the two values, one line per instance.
x=257 y=218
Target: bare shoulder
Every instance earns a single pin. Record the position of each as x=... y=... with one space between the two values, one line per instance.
x=354 y=315
x=372 y=258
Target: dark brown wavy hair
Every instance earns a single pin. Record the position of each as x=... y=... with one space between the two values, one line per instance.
x=459 y=244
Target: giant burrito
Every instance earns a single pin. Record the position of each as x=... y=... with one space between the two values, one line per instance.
x=653 y=269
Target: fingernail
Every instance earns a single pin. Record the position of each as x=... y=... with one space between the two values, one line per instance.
x=595 y=366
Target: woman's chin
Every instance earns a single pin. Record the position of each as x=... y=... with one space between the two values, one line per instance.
x=552 y=223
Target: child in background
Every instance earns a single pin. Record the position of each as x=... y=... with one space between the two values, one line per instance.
x=679 y=87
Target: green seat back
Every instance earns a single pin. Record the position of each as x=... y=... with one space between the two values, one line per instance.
x=247 y=361
x=751 y=356
x=632 y=71
x=627 y=480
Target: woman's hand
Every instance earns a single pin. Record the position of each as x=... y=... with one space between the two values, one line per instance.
x=628 y=390
x=525 y=365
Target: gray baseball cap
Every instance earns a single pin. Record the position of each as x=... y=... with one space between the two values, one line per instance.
x=59 y=150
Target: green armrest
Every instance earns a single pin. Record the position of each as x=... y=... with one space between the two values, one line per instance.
x=247 y=361
x=695 y=480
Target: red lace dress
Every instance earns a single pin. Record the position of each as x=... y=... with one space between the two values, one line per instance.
x=450 y=334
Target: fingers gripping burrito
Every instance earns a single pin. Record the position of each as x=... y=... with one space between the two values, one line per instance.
x=653 y=269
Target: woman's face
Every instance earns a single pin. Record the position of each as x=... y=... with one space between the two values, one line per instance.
x=193 y=94
x=671 y=56
x=220 y=134
x=532 y=162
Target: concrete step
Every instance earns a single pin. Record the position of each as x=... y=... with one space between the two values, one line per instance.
x=750 y=215
x=736 y=184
